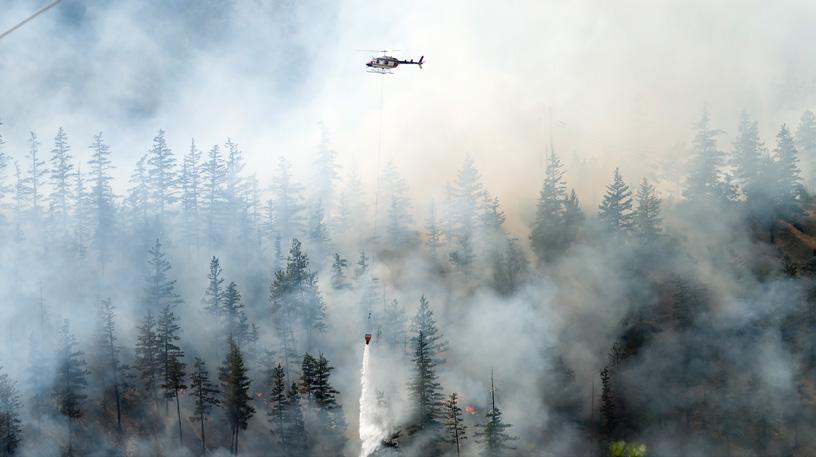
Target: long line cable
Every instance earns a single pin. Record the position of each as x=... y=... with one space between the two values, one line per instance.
x=379 y=156
x=24 y=21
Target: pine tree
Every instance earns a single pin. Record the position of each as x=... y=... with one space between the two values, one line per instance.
x=295 y=295
x=285 y=208
x=338 y=278
x=510 y=268
x=608 y=416
x=326 y=172
x=573 y=217
x=789 y=190
x=705 y=180
x=213 y=174
x=647 y=218
x=214 y=295
x=61 y=172
x=35 y=174
x=493 y=434
x=285 y=416
x=466 y=195
x=148 y=359
x=399 y=226
x=235 y=319
x=615 y=210
x=160 y=291
x=82 y=224
x=546 y=236
x=4 y=187
x=278 y=407
x=298 y=440
x=235 y=188
x=205 y=397
x=102 y=197
x=455 y=428
x=307 y=375
x=20 y=193
x=433 y=233
x=191 y=186
x=69 y=381
x=318 y=229
x=162 y=175
x=138 y=199
x=11 y=431
x=170 y=354
x=174 y=382
x=424 y=388
x=393 y=324
x=748 y=153
x=236 y=400
x=109 y=347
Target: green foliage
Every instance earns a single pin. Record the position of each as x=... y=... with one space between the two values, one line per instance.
x=622 y=449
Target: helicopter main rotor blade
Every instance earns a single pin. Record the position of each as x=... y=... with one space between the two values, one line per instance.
x=24 y=21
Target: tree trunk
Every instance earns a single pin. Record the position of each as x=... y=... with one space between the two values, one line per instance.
x=203 y=438
x=178 y=412
x=118 y=406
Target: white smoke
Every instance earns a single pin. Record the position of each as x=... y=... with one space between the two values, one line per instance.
x=372 y=424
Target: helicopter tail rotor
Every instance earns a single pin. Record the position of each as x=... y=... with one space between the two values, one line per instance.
x=421 y=59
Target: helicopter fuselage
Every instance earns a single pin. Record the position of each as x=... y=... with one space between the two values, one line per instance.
x=387 y=63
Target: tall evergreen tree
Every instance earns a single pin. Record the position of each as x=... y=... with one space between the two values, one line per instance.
x=433 y=232
x=546 y=237
x=11 y=431
x=235 y=320
x=424 y=387
x=107 y=341
x=573 y=217
x=69 y=381
x=205 y=397
x=285 y=208
x=162 y=176
x=399 y=223
x=5 y=188
x=326 y=172
x=160 y=291
x=214 y=295
x=138 y=198
x=467 y=194
x=102 y=197
x=213 y=174
x=647 y=218
x=235 y=188
x=338 y=278
x=748 y=153
x=62 y=171
x=236 y=400
x=170 y=354
x=789 y=191
x=493 y=435
x=285 y=416
x=455 y=428
x=394 y=324
x=191 y=187
x=615 y=210
x=174 y=383
x=148 y=359
x=706 y=180
x=35 y=174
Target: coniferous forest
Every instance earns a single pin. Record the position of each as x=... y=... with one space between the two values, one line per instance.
x=188 y=297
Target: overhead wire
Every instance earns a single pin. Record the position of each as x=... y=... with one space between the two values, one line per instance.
x=45 y=8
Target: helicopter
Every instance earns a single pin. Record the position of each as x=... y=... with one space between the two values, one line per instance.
x=385 y=63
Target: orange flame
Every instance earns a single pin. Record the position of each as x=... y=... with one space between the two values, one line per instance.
x=470 y=410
